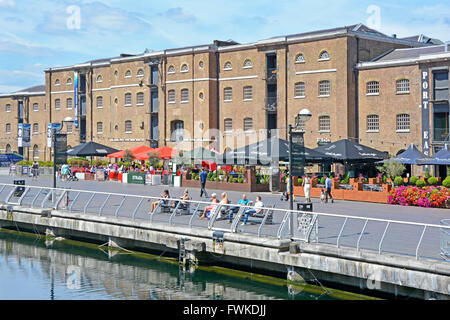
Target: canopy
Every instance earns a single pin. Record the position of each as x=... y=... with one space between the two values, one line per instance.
x=348 y=151
x=90 y=149
x=440 y=158
x=411 y=156
x=134 y=151
x=7 y=159
x=165 y=152
x=263 y=152
x=201 y=154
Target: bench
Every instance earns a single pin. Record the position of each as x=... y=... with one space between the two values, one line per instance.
x=259 y=217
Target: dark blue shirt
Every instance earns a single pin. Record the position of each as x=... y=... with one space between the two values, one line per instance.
x=203 y=176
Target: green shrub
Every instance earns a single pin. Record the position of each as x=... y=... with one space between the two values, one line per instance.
x=420 y=183
x=216 y=179
x=446 y=182
x=322 y=180
x=398 y=181
x=413 y=180
x=427 y=174
x=25 y=163
x=241 y=180
x=432 y=181
x=299 y=181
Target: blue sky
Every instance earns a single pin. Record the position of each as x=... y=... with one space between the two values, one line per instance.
x=35 y=35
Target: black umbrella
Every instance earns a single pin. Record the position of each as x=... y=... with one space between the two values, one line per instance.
x=265 y=151
x=351 y=152
x=440 y=158
x=411 y=156
x=93 y=149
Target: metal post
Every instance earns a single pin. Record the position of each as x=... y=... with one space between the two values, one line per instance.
x=291 y=188
x=54 y=158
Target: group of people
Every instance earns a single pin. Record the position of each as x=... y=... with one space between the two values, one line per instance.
x=306 y=184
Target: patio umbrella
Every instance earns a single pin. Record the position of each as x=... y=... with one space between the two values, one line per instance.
x=411 y=156
x=440 y=158
x=92 y=149
x=134 y=151
x=351 y=152
x=202 y=154
x=6 y=159
x=165 y=152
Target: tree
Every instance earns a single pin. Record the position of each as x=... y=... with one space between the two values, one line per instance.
x=128 y=156
x=153 y=158
x=392 y=169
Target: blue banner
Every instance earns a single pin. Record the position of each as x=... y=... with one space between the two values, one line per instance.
x=75 y=97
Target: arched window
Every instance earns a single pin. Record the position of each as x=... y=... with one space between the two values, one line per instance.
x=171 y=96
x=128 y=126
x=35 y=107
x=177 y=130
x=69 y=81
x=248 y=64
x=299 y=91
x=324 y=88
x=35 y=152
x=373 y=123
x=99 y=78
x=228 y=125
x=99 y=102
x=248 y=93
x=128 y=74
x=69 y=103
x=227 y=66
x=184 y=95
x=35 y=128
x=171 y=69
x=127 y=99
x=300 y=58
x=402 y=86
x=324 y=123
x=184 y=68
x=248 y=124
x=8 y=148
x=228 y=94
x=403 y=122
x=8 y=108
x=140 y=99
x=57 y=82
x=372 y=88
x=324 y=55
x=140 y=73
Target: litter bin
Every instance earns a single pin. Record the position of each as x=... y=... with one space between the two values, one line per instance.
x=305 y=206
x=19 y=190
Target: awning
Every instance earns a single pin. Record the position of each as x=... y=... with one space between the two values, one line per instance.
x=440 y=158
x=90 y=149
x=351 y=152
x=411 y=156
x=134 y=151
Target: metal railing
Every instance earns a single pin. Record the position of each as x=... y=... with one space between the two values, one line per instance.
x=380 y=235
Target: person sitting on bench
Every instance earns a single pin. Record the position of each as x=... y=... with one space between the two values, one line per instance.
x=208 y=209
x=183 y=204
x=163 y=201
x=258 y=208
x=243 y=201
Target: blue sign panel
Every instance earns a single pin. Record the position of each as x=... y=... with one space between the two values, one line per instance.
x=75 y=97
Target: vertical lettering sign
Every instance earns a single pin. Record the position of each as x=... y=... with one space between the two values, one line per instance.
x=425 y=111
x=298 y=154
x=26 y=135
x=75 y=97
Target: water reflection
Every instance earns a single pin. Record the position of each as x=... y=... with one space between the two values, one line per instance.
x=35 y=268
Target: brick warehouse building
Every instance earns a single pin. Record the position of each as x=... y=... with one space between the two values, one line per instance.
x=222 y=94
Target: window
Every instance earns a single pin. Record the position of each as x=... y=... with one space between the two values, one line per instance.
x=140 y=73
x=8 y=128
x=171 y=96
x=324 y=55
x=8 y=108
x=128 y=126
x=440 y=85
x=200 y=64
x=372 y=88
x=69 y=127
x=140 y=99
x=402 y=86
x=373 y=123
x=248 y=64
x=248 y=93
x=99 y=102
x=35 y=128
x=324 y=88
x=99 y=78
x=171 y=69
x=227 y=66
x=69 y=103
x=57 y=104
x=300 y=58
x=35 y=152
x=184 y=95
x=248 y=124
x=324 y=123
x=299 y=91
x=69 y=81
x=99 y=127
x=227 y=94
x=57 y=82
x=228 y=125
x=184 y=68
x=128 y=74
x=35 y=107
x=127 y=99
x=301 y=121
x=177 y=130
x=403 y=122
x=8 y=148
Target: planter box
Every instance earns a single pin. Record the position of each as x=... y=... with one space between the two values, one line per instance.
x=89 y=176
x=358 y=186
x=372 y=180
x=230 y=186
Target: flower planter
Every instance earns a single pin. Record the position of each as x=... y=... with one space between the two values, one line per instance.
x=357 y=186
x=372 y=180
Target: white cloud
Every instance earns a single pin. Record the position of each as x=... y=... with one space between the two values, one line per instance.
x=7 y=3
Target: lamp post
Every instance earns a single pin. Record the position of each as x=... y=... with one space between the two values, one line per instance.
x=54 y=132
x=303 y=116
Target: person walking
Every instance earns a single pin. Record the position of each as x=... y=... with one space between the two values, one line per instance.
x=328 y=187
x=203 y=176
x=35 y=170
x=307 y=188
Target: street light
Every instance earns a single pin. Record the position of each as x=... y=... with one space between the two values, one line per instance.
x=55 y=131
x=303 y=116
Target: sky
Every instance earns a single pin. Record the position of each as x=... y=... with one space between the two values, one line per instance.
x=35 y=35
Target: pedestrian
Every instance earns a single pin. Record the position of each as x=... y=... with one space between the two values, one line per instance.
x=256 y=210
x=307 y=188
x=203 y=176
x=328 y=187
x=64 y=171
x=35 y=170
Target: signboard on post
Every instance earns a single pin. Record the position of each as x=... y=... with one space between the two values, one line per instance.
x=51 y=127
x=60 y=149
x=75 y=97
x=298 y=154
x=136 y=177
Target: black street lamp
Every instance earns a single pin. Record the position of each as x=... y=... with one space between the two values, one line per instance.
x=54 y=132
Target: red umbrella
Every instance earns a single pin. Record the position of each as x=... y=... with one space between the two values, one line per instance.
x=165 y=152
x=134 y=151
